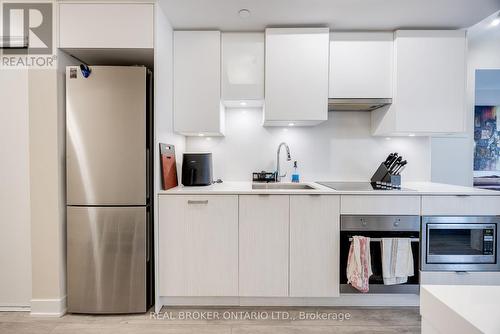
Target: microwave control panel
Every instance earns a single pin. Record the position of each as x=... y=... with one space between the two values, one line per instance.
x=488 y=241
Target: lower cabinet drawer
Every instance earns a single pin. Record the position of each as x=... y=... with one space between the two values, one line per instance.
x=460 y=205
x=380 y=205
x=198 y=245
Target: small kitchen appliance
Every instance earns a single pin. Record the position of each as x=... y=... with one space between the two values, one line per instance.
x=197 y=169
x=454 y=243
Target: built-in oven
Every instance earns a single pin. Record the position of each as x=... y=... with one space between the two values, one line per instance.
x=378 y=227
x=452 y=243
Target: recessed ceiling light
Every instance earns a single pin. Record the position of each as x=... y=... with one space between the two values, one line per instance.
x=411 y=135
x=244 y=13
x=243 y=104
x=291 y=124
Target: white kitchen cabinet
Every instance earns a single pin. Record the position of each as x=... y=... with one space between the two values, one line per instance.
x=197 y=83
x=296 y=76
x=380 y=205
x=429 y=85
x=460 y=205
x=263 y=245
x=314 y=245
x=242 y=68
x=361 y=64
x=106 y=25
x=198 y=245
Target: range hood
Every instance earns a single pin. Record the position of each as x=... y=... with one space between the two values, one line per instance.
x=356 y=104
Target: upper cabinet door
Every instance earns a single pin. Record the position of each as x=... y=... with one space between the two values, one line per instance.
x=361 y=65
x=296 y=88
x=197 y=92
x=243 y=67
x=429 y=84
x=106 y=25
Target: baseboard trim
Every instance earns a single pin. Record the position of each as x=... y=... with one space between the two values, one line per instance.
x=48 y=307
x=15 y=308
x=344 y=300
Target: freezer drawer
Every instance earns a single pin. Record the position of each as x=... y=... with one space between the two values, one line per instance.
x=106 y=136
x=106 y=260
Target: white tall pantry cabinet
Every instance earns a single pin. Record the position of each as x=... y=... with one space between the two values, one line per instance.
x=197 y=83
x=429 y=84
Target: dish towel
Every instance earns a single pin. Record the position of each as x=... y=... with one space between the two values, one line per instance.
x=397 y=260
x=359 y=264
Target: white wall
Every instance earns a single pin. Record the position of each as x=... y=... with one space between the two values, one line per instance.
x=163 y=113
x=338 y=149
x=47 y=184
x=164 y=131
x=452 y=158
x=15 y=242
x=487 y=90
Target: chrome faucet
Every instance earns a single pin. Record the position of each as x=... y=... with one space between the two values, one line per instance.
x=288 y=158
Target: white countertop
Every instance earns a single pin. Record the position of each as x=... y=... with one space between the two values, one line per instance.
x=461 y=308
x=417 y=188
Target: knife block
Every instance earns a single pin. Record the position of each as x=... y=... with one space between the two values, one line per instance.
x=383 y=179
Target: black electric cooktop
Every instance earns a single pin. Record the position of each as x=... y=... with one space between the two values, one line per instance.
x=356 y=186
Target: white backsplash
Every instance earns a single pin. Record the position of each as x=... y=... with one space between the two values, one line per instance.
x=340 y=149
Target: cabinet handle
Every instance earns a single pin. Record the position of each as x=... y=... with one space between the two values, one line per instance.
x=198 y=202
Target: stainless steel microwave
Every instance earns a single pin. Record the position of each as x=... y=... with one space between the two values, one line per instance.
x=468 y=243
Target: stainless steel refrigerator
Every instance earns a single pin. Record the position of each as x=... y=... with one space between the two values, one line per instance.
x=109 y=204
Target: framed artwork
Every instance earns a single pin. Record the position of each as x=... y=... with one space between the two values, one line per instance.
x=486 y=147
x=486 y=138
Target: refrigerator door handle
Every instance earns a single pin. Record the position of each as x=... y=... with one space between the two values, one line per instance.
x=148 y=174
x=148 y=236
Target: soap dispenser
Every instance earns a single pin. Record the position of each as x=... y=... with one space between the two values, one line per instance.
x=295 y=174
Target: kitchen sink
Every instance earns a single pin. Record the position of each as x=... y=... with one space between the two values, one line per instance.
x=285 y=186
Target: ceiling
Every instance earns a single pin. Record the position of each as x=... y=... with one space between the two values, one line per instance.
x=337 y=14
